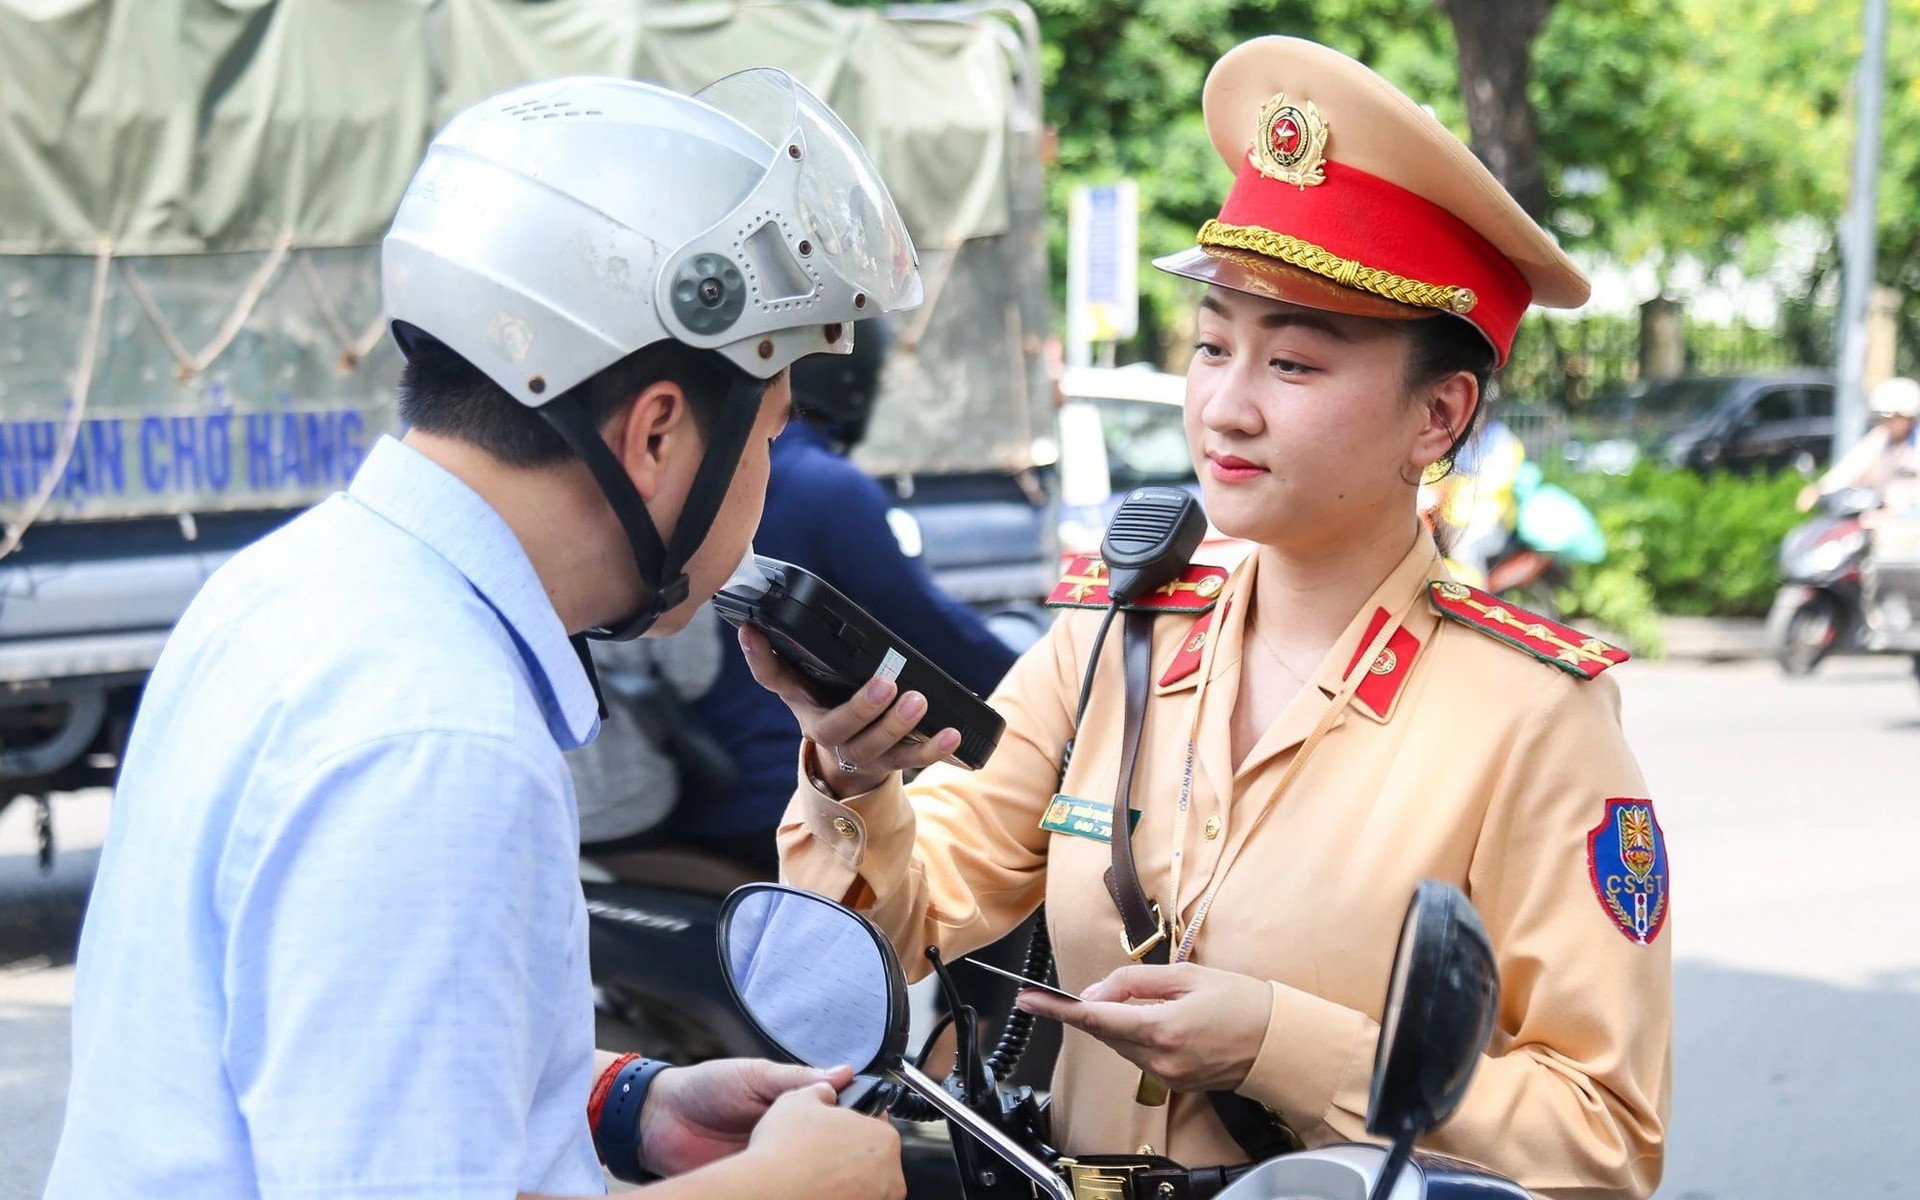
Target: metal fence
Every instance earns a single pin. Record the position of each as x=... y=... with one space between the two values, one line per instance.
x=1568 y=364
x=1543 y=431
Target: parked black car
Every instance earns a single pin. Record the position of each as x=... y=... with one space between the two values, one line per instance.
x=1745 y=423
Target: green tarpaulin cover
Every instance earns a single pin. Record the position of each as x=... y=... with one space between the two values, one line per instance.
x=178 y=126
x=216 y=175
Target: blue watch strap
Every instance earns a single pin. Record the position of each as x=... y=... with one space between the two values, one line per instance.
x=617 y=1136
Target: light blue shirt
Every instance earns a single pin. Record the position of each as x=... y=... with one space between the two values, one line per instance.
x=338 y=946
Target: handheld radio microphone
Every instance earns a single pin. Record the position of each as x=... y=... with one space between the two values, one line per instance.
x=1150 y=540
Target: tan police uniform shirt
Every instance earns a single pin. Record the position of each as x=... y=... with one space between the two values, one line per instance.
x=1475 y=763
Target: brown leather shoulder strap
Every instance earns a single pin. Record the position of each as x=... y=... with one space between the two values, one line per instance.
x=1137 y=913
x=1257 y=1131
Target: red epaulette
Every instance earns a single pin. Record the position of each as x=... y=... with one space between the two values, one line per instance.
x=1549 y=641
x=1085 y=586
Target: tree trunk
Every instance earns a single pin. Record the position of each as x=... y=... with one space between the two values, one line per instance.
x=1663 y=340
x=1495 y=40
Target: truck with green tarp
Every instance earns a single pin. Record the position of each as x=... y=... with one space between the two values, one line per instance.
x=192 y=195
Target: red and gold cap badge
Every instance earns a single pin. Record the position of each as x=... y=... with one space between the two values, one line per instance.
x=1291 y=145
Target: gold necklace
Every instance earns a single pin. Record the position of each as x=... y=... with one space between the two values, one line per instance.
x=1261 y=637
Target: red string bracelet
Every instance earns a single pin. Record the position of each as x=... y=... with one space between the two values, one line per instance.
x=598 y=1100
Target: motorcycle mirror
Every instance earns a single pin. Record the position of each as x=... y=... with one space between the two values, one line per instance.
x=815 y=979
x=824 y=986
x=1442 y=999
x=1853 y=501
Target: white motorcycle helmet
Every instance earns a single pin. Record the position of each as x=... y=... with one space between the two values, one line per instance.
x=1896 y=397
x=554 y=229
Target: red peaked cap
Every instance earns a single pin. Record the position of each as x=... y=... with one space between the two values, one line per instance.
x=1351 y=198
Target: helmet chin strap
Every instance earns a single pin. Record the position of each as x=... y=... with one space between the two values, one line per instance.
x=662 y=566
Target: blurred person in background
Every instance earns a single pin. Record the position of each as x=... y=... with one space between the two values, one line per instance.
x=1474 y=502
x=651 y=757
x=825 y=514
x=1887 y=460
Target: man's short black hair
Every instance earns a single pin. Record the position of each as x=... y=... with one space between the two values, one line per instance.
x=443 y=393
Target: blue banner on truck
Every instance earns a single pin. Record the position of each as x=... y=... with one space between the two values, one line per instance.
x=158 y=463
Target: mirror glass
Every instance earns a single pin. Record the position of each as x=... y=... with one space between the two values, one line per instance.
x=1440 y=1008
x=810 y=974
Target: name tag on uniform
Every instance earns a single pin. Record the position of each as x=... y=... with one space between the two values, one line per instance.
x=1084 y=818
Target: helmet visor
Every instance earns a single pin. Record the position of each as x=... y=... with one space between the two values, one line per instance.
x=841 y=201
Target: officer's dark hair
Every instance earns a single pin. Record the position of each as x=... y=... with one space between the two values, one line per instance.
x=443 y=393
x=1445 y=345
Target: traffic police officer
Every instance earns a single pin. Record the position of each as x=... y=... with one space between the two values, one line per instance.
x=1343 y=721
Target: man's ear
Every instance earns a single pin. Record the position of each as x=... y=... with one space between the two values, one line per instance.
x=1449 y=404
x=656 y=421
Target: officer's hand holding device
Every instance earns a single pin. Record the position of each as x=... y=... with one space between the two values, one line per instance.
x=840 y=670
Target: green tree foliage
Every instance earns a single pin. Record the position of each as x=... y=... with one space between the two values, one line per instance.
x=1749 y=130
x=1702 y=545
x=1695 y=128
x=1123 y=84
x=1668 y=128
x=1899 y=200
x=1611 y=83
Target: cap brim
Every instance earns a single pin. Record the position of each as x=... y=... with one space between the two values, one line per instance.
x=1258 y=275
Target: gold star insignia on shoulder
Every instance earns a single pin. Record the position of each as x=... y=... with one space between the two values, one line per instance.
x=1543 y=638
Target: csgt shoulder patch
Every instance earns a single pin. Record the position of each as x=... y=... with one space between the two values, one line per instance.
x=1627 y=857
x=1549 y=641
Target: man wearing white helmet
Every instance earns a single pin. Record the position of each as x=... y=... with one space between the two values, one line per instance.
x=1886 y=459
x=337 y=946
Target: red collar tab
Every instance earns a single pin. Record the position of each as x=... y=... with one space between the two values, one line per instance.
x=1192 y=650
x=1549 y=641
x=1390 y=668
x=1363 y=232
x=1085 y=586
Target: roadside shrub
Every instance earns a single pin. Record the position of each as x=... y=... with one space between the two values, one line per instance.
x=1699 y=546
x=1614 y=595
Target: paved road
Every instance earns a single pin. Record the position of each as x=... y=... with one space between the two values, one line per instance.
x=1792 y=809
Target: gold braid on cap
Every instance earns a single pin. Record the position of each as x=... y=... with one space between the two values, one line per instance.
x=1343 y=271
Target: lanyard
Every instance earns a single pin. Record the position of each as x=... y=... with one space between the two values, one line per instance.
x=1334 y=708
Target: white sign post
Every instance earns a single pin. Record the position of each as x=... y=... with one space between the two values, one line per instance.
x=1103 y=268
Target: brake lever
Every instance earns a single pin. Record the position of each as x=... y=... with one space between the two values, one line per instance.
x=868 y=1095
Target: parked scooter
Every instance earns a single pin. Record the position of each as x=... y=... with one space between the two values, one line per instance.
x=657 y=986
x=1839 y=594
x=824 y=987
x=652 y=914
